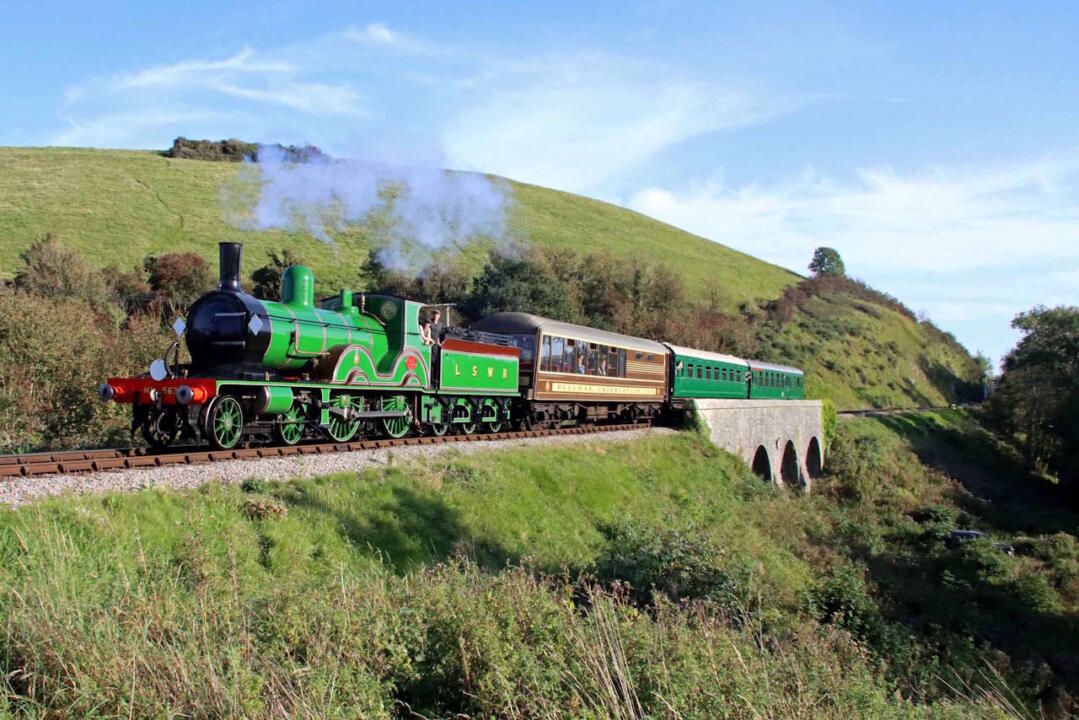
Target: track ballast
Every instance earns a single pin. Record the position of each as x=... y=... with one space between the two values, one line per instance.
x=105 y=460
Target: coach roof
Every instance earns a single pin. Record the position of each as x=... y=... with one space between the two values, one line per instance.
x=758 y=365
x=705 y=355
x=517 y=322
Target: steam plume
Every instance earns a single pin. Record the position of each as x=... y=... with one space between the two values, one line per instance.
x=416 y=209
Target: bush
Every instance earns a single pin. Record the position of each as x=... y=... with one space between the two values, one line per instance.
x=54 y=270
x=266 y=280
x=54 y=354
x=682 y=565
x=233 y=150
x=180 y=277
x=829 y=422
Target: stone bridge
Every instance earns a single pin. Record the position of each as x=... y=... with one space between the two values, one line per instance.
x=782 y=440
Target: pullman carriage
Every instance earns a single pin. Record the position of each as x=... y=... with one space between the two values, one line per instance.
x=572 y=372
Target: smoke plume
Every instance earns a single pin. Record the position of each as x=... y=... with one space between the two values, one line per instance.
x=410 y=210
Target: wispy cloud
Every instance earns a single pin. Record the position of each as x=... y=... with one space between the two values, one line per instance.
x=921 y=235
x=380 y=35
x=574 y=122
x=195 y=71
x=244 y=76
x=133 y=129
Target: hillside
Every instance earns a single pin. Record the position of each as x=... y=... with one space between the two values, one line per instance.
x=860 y=348
x=519 y=583
x=117 y=207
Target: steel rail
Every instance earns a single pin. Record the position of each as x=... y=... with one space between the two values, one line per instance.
x=84 y=461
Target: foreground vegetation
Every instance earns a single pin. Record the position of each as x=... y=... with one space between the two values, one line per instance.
x=654 y=579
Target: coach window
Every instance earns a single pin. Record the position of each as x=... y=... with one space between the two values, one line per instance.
x=556 y=354
x=602 y=355
x=707 y=373
x=580 y=358
x=570 y=356
x=545 y=354
x=699 y=373
x=612 y=362
x=621 y=362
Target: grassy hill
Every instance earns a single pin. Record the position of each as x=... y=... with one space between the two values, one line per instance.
x=862 y=349
x=118 y=206
x=859 y=348
x=520 y=584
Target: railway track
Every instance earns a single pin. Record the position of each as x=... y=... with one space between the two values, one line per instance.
x=104 y=460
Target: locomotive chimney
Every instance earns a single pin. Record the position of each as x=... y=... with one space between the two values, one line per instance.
x=231 y=254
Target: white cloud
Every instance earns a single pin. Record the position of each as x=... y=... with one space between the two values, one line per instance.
x=374 y=34
x=244 y=76
x=132 y=129
x=380 y=35
x=1015 y=228
x=197 y=71
x=572 y=123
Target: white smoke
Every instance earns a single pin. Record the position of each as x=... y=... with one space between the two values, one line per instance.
x=412 y=210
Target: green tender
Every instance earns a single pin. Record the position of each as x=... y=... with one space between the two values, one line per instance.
x=468 y=373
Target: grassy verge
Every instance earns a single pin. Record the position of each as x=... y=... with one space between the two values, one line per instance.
x=654 y=579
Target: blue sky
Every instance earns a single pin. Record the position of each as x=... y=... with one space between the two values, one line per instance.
x=935 y=145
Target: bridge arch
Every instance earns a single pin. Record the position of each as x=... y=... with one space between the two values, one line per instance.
x=814 y=458
x=762 y=465
x=789 y=472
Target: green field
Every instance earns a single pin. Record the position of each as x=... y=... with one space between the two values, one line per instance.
x=119 y=206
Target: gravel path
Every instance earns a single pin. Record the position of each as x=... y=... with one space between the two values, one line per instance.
x=26 y=490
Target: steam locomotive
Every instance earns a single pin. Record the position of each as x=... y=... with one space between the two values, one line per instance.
x=357 y=365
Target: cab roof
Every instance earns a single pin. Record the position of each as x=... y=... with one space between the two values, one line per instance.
x=517 y=322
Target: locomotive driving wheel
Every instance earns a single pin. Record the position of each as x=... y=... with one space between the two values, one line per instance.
x=397 y=427
x=289 y=428
x=224 y=422
x=340 y=429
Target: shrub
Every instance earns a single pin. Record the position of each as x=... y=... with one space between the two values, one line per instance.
x=55 y=354
x=682 y=565
x=181 y=277
x=266 y=280
x=829 y=421
x=53 y=270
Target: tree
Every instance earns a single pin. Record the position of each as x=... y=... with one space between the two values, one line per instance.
x=266 y=280
x=826 y=262
x=1038 y=399
x=515 y=283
